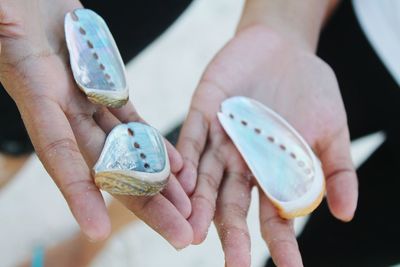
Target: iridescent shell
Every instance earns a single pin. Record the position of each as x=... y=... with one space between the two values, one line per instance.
x=134 y=161
x=95 y=60
x=284 y=165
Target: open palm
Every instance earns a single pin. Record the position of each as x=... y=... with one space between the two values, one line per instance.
x=259 y=64
x=67 y=131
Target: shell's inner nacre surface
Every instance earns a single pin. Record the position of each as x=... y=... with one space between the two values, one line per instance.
x=94 y=57
x=281 y=161
x=134 y=161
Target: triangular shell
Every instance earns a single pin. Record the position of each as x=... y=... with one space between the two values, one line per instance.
x=284 y=165
x=134 y=161
x=95 y=60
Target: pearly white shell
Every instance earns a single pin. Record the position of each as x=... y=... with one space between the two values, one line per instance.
x=95 y=60
x=134 y=161
x=284 y=165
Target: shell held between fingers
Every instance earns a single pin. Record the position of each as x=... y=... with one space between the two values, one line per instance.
x=285 y=167
x=134 y=161
x=95 y=61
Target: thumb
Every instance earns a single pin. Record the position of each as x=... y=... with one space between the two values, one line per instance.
x=341 y=178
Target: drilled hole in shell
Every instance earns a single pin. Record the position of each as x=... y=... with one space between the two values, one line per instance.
x=102 y=67
x=96 y=56
x=107 y=76
x=282 y=147
x=136 y=145
x=244 y=123
x=142 y=155
x=271 y=139
x=146 y=165
x=74 y=16
x=257 y=131
x=293 y=155
x=82 y=31
x=130 y=132
x=231 y=116
x=89 y=43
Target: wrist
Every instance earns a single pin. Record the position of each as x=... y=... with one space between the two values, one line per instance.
x=298 y=22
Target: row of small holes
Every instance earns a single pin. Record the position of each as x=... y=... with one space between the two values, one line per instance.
x=272 y=140
x=137 y=146
x=91 y=46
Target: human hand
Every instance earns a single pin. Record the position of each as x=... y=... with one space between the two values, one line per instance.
x=261 y=64
x=67 y=131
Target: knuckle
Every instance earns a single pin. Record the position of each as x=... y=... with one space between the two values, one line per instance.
x=202 y=118
x=242 y=179
x=194 y=144
x=191 y=162
x=145 y=205
x=79 y=117
x=218 y=156
x=205 y=202
x=235 y=209
x=74 y=189
x=64 y=147
x=131 y=115
x=230 y=232
x=280 y=242
x=10 y=23
x=211 y=181
x=274 y=224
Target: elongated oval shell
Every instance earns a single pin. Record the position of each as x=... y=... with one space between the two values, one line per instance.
x=134 y=161
x=284 y=165
x=95 y=61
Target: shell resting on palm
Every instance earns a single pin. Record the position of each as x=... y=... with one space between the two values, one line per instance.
x=95 y=61
x=134 y=161
x=285 y=167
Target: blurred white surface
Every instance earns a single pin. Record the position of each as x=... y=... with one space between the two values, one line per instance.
x=162 y=80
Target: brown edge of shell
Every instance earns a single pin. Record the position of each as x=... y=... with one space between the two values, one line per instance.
x=301 y=212
x=119 y=184
x=107 y=101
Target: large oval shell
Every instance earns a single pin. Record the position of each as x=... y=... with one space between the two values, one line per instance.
x=134 y=161
x=284 y=165
x=95 y=60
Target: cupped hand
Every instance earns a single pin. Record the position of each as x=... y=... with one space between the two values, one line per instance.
x=260 y=64
x=67 y=131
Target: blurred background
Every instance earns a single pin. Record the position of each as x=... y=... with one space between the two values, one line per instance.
x=162 y=80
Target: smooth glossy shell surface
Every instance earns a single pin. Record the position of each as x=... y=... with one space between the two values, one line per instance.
x=134 y=161
x=95 y=60
x=282 y=162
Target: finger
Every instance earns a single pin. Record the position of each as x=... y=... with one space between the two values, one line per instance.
x=89 y=136
x=204 y=198
x=341 y=178
x=163 y=217
x=279 y=235
x=191 y=144
x=230 y=218
x=175 y=158
x=174 y=193
x=56 y=146
x=105 y=119
x=127 y=113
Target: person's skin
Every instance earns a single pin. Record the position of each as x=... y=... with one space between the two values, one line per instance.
x=271 y=59
x=67 y=130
